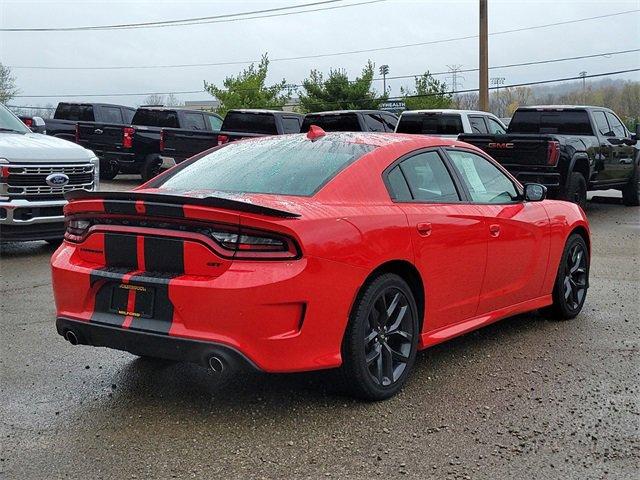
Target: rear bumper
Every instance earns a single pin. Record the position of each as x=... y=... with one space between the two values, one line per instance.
x=550 y=179
x=154 y=345
x=24 y=220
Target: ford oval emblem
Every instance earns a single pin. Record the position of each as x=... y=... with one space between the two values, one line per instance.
x=57 y=180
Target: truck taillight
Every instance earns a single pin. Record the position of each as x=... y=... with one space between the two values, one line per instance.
x=553 y=152
x=77 y=134
x=127 y=137
x=28 y=122
x=222 y=139
x=161 y=140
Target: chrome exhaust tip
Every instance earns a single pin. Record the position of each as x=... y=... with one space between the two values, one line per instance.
x=71 y=337
x=216 y=364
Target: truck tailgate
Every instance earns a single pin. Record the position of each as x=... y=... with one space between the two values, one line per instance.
x=513 y=149
x=100 y=136
x=181 y=143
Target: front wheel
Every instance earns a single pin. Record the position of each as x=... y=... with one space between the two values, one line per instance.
x=151 y=167
x=108 y=169
x=380 y=343
x=631 y=191
x=575 y=190
x=572 y=281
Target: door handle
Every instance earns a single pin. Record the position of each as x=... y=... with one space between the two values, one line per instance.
x=494 y=230
x=424 y=229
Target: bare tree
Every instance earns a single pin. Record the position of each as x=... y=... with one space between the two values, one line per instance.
x=8 y=88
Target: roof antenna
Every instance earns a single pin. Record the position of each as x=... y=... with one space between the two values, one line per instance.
x=315 y=132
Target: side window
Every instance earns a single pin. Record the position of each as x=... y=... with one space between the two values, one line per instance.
x=374 y=123
x=428 y=179
x=601 y=124
x=112 y=115
x=398 y=185
x=477 y=125
x=127 y=114
x=215 y=122
x=616 y=126
x=485 y=182
x=194 y=121
x=494 y=127
x=291 y=124
x=390 y=122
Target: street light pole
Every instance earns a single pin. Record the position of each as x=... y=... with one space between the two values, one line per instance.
x=384 y=71
x=484 y=57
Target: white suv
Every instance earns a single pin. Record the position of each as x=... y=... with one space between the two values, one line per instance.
x=449 y=123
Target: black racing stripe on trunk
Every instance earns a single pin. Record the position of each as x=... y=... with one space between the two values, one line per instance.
x=163 y=210
x=120 y=207
x=120 y=250
x=162 y=317
x=163 y=255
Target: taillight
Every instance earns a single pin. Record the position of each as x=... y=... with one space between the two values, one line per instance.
x=76 y=230
x=127 y=137
x=161 y=140
x=553 y=152
x=222 y=139
x=77 y=134
x=28 y=122
x=253 y=244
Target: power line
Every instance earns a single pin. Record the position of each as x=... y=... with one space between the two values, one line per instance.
x=231 y=17
x=471 y=90
x=323 y=55
x=189 y=92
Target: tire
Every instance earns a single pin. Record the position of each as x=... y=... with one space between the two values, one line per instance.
x=379 y=350
x=151 y=167
x=108 y=170
x=631 y=191
x=572 y=280
x=575 y=190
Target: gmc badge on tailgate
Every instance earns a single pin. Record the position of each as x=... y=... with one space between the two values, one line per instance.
x=500 y=145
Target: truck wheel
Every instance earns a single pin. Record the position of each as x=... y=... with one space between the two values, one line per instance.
x=576 y=190
x=151 y=167
x=108 y=170
x=631 y=191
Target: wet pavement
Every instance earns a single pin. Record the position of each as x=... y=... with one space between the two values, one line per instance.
x=524 y=398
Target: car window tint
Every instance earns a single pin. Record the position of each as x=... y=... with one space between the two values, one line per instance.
x=398 y=185
x=194 y=121
x=477 y=125
x=250 y=122
x=156 y=118
x=494 y=127
x=128 y=114
x=289 y=165
x=215 y=122
x=434 y=124
x=291 y=125
x=601 y=124
x=74 y=112
x=111 y=114
x=485 y=182
x=390 y=122
x=616 y=126
x=345 y=122
x=374 y=122
x=428 y=178
x=562 y=122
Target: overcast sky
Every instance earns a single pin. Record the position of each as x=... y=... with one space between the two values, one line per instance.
x=386 y=23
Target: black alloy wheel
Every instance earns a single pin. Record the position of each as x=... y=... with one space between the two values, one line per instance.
x=380 y=343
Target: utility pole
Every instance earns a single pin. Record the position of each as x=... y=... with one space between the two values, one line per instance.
x=484 y=57
x=583 y=74
x=384 y=71
x=455 y=83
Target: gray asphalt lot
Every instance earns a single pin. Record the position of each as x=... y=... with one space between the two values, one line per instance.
x=524 y=398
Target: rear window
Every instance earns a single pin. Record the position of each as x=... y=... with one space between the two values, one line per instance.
x=244 y=122
x=274 y=165
x=74 y=112
x=346 y=122
x=563 y=122
x=156 y=118
x=430 y=124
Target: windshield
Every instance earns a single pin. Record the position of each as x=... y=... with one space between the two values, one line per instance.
x=346 y=122
x=155 y=118
x=430 y=124
x=245 y=122
x=562 y=122
x=290 y=165
x=8 y=121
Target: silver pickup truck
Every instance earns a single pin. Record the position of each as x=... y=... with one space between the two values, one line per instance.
x=35 y=173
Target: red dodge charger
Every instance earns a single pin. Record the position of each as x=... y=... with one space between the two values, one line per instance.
x=316 y=251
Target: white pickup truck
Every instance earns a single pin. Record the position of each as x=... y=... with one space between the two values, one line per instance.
x=35 y=172
x=449 y=123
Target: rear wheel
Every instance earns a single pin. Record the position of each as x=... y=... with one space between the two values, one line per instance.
x=572 y=281
x=151 y=167
x=575 y=190
x=380 y=343
x=631 y=191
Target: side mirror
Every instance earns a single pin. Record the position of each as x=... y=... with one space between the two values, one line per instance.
x=534 y=192
x=615 y=141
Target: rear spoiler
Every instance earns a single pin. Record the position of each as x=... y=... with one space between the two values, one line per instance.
x=173 y=200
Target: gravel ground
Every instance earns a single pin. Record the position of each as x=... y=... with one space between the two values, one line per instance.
x=524 y=398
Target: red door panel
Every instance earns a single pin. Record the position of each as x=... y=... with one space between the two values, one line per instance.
x=518 y=251
x=450 y=244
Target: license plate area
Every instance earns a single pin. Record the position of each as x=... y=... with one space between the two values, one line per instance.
x=132 y=300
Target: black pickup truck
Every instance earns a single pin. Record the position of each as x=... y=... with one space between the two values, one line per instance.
x=159 y=138
x=569 y=149
x=351 y=121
